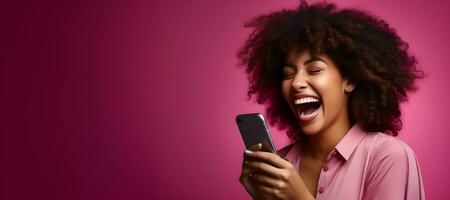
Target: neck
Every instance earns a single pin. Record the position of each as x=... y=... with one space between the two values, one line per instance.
x=322 y=143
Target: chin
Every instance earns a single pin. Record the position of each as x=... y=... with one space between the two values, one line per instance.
x=311 y=129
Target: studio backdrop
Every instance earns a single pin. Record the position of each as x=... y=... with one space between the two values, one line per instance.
x=136 y=99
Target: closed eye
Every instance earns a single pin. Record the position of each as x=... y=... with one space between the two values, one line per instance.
x=288 y=73
x=313 y=72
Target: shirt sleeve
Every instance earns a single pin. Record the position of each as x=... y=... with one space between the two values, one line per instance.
x=394 y=173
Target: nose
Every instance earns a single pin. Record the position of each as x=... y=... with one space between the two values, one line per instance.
x=299 y=82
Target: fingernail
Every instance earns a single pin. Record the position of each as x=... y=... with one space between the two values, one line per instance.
x=259 y=145
x=248 y=151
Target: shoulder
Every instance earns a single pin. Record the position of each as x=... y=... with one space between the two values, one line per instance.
x=382 y=142
x=388 y=150
x=392 y=167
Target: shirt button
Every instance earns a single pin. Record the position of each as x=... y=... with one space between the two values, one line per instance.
x=325 y=168
x=321 y=190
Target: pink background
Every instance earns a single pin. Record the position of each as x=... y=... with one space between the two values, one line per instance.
x=136 y=99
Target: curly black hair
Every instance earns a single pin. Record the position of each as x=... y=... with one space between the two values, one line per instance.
x=367 y=51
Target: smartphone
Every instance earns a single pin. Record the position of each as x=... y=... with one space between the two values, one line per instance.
x=254 y=130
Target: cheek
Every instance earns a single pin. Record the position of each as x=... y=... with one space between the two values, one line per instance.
x=330 y=89
x=328 y=84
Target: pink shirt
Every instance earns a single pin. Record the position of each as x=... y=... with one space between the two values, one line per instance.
x=366 y=166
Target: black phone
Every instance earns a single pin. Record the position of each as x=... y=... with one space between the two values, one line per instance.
x=254 y=130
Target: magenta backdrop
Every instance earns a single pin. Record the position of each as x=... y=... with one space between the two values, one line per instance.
x=136 y=99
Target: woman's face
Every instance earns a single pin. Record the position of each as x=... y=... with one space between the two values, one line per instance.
x=315 y=91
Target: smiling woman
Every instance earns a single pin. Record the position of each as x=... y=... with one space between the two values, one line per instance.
x=313 y=86
x=334 y=80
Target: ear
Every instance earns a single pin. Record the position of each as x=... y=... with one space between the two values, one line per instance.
x=348 y=86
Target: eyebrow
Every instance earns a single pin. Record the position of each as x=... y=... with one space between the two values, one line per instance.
x=313 y=59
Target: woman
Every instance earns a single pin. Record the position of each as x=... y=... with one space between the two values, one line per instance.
x=334 y=79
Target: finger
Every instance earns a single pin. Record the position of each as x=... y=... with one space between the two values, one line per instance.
x=255 y=147
x=262 y=179
x=245 y=174
x=251 y=149
x=245 y=170
x=264 y=168
x=269 y=190
x=267 y=147
x=267 y=157
x=248 y=185
x=244 y=156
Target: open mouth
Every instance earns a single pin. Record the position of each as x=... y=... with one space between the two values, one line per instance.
x=307 y=108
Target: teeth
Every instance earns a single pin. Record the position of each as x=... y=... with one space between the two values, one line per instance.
x=305 y=100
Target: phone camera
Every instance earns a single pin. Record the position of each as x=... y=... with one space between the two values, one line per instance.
x=239 y=121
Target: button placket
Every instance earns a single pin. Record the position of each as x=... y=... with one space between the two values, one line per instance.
x=325 y=167
x=323 y=181
x=323 y=178
x=321 y=190
x=330 y=158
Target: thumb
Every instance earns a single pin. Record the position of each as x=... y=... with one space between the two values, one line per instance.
x=255 y=147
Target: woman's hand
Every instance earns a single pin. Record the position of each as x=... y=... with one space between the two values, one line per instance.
x=265 y=175
x=244 y=178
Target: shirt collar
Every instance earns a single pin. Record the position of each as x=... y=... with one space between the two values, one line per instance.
x=345 y=147
x=293 y=155
x=350 y=141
